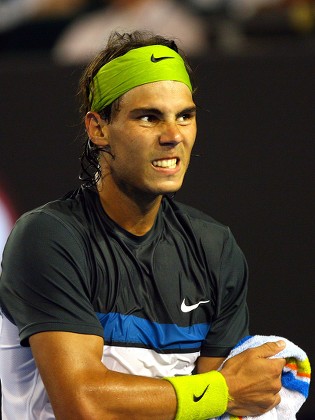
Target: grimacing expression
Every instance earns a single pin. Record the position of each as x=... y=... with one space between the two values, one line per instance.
x=151 y=138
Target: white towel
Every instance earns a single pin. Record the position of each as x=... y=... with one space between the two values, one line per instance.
x=295 y=378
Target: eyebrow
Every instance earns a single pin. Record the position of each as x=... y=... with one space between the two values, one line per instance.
x=157 y=111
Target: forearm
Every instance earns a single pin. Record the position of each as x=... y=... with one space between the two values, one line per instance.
x=80 y=386
x=121 y=396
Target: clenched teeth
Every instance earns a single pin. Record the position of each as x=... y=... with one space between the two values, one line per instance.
x=165 y=163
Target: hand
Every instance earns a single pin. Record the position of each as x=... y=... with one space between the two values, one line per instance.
x=254 y=380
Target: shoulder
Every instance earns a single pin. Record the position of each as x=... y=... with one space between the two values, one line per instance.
x=64 y=218
x=69 y=210
x=196 y=218
x=213 y=237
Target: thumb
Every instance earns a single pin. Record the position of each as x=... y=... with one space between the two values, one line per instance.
x=271 y=348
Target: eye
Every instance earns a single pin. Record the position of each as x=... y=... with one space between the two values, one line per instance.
x=186 y=118
x=148 y=118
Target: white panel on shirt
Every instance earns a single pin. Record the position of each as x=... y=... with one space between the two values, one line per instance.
x=23 y=393
x=144 y=362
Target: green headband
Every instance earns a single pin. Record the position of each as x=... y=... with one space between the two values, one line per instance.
x=137 y=67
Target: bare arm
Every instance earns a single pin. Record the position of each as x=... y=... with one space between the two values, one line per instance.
x=81 y=387
x=206 y=364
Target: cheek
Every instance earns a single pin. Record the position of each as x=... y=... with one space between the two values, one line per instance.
x=192 y=134
x=129 y=146
x=128 y=152
x=129 y=158
x=123 y=139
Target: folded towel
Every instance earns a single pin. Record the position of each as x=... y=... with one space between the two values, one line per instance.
x=296 y=377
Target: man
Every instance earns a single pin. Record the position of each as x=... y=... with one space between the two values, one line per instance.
x=112 y=296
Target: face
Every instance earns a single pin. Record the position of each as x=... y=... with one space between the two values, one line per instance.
x=151 y=138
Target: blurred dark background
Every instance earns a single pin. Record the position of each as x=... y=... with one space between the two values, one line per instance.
x=254 y=168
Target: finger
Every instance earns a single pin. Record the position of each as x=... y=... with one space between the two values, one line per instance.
x=271 y=348
x=277 y=401
x=272 y=403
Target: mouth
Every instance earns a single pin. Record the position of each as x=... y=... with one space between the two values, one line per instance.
x=165 y=163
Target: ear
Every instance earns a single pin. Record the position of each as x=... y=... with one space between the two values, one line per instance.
x=96 y=128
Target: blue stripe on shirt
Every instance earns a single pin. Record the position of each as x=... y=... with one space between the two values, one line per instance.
x=130 y=329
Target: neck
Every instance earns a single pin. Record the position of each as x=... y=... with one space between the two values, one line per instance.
x=133 y=213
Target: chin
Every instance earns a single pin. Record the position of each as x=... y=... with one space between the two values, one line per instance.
x=163 y=188
x=169 y=190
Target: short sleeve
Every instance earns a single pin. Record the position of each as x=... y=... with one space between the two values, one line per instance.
x=231 y=320
x=45 y=281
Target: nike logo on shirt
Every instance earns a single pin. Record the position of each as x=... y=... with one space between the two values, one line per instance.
x=188 y=308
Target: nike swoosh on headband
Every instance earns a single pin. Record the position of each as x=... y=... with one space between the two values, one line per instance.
x=188 y=308
x=157 y=59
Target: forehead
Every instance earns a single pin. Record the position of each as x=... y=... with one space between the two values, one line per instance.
x=166 y=94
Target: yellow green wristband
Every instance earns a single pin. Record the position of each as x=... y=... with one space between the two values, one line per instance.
x=200 y=397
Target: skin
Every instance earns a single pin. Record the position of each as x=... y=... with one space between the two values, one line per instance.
x=156 y=122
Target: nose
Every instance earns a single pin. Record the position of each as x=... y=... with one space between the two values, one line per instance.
x=170 y=134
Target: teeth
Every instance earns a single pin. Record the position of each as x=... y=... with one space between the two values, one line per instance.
x=165 y=163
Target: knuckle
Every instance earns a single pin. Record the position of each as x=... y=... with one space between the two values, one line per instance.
x=277 y=366
x=270 y=403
